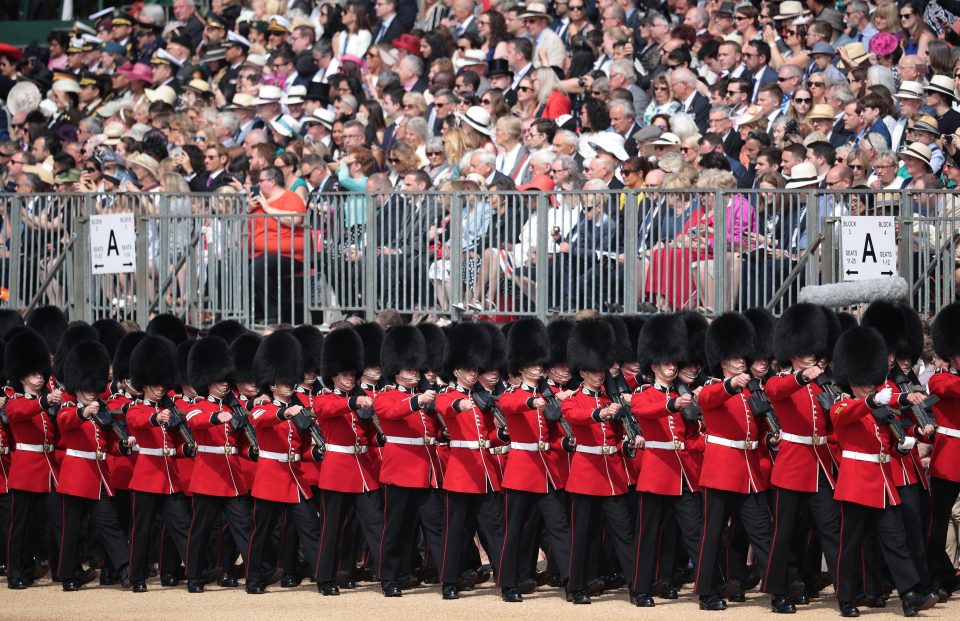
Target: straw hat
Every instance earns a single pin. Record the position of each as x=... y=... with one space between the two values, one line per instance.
x=821 y=111
x=477 y=118
x=161 y=93
x=804 y=175
x=145 y=161
x=919 y=151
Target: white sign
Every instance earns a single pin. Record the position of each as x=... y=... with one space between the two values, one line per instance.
x=113 y=247
x=869 y=247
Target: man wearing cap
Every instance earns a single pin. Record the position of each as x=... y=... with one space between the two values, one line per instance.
x=121 y=27
x=909 y=97
x=235 y=52
x=941 y=95
x=164 y=67
x=926 y=131
x=547 y=42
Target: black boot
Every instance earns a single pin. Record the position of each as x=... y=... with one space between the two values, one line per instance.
x=712 y=602
x=449 y=591
x=194 y=586
x=783 y=604
x=511 y=595
x=391 y=589
x=913 y=602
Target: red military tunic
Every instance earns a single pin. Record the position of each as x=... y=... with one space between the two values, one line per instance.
x=410 y=456
x=348 y=465
x=217 y=469
x=945 y=458
x=282 y=447
x=375 y=450
x=310 y=469
x=6 y=442
x=907 y=469
x=864 y=481
x=803 y=451
x=121 y=466
x=33 y=467
x=184 y=404
x=157 y=470
x=85 y=471
x=668 y=462
x=248 y=467
x=471 y=466
x=536 y=444
x=728 y=419
x=596 y=469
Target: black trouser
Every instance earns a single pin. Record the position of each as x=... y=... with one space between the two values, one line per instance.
x=104 y=517
x=300 y=515
x=718 y=507
x=277 y=288
x=518 y=509
x=334 y=508
x=401 y=506
x=122 y=503
x=943 y=496
x=888 y=523
x=652 y=549
x=914 y=503
x=175 y=513
x=206 y=511
x=460 y=508
x=25 y=507
x=587 y=514
x=788 y=507
x=4 y=524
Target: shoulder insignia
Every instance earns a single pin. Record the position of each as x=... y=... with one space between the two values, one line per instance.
x=713 y=380
x=258 y=412
x=193 y=413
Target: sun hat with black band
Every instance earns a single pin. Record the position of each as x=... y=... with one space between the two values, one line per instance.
x=667 y=139
x=821 y=111
x=856 y=52
x=477 y=118
x=943 y=85
x=804 y=175
x=268 y=94
x=910 y=90
x=535 y=10
x=919 y=151
x=320 y=116
x=927 y=123
x=789 y=10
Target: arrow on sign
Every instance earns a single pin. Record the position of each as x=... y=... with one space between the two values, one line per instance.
x=852 y=272
x=887 y=273
x=131 y=265
x=98 y=264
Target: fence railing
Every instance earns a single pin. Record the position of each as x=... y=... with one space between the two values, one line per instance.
x=449 y=255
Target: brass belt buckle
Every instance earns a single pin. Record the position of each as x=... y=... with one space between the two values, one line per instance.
x=606 y=450
x=483 y=443
x=99 y=455
x=750 y=444
x=47 y=447
x=290 y=455
x=543 y=446
x=884 y=458
x=676 y=444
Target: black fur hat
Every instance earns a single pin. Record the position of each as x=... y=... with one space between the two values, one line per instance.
x=860 y=357
x=371 y=333
x=592 y=346
x=110 y=332
x=634 y=325
x=9 y=319
x=624 y=350
x=663 y=338
x=731 y=335
x=343 y=352
x=945 y=331
x=50 y=323
x=169 y=326
x=834 y=330
x=121 y=357
x=763 y=327
x=847 y=321
x=912 y=347
x=403 y=348
x=25 y=353
x=887 y=319
x=505 y=328
x=209 y=361
x=528 y=344
x=696 y=339
x=311 y=346
x=468 y=347
x=183 y=357
x=87 y=368
x=78 y=332
x=558 y=331
x=278 y=361
x=153 y=362
x=228 y=329
x=243 y=349
x=498 y=348
x=436 y=342
x=802 y=330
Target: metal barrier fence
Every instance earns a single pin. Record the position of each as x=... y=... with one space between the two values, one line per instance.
x=455 y=254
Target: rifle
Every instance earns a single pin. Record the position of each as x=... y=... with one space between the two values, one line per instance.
x=178 y=421
x=431 y=408
x=615 y=386
x=554 y=413
x=885 y=415
x=52 y=408
x=831 y=392
x=306 y=421
x=241 y=422
x=487 y=402
x=4 y=419
x=922 y=415
x=760 y=405
x=692 y=413
x=113 y=420
x=369 y=414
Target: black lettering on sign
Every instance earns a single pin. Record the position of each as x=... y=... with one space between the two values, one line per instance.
x=868 y=250
x=112 y=245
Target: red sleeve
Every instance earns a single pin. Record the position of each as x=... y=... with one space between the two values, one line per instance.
x=264 y=416
x=23 y=409
x=780 y=387
x=575 y=413
x=514 y=402
x=331 y=406
x=848 y=411
x=649 y=403
x=945 y=385
x=69 y=418
x=445 y=403
x=713 y=395
x=388 y=406
x=140 y=417
x=197 y=418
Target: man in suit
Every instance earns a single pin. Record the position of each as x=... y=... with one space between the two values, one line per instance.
x=484 y=164
x=388 y=26
x=720 y=122
x=520 y=60
x=537 y=21
x=214 y=159
x=684 y=84
x=769 y=101
x=462 y=21
x=756 y=57
x=623 y=121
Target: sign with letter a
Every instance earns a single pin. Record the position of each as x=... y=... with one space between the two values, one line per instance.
x=113 y=248
x=868 y=246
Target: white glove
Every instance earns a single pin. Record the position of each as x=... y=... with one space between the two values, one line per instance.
x=883 y=397
x=907 y=445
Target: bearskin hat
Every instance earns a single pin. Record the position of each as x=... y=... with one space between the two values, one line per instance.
x=498 y=348
x=558 y=331
x=121 y=357
x=403 y=348
x=696 y=339
x=78 y=332
x=436 y=342
x=468 y=347
x=87 y=368
x=110 y=333
x=663 y=338
x=834 y=330
x=25 y=353
x=528 y=344
x=624 y=350
x=343 y=352
x=278 y=361
x=802 y=330
x=634 y=325
x=505 y=328
x=887 y=319
x=763 y=327
x=9 y=319
x=592 y=346
x=847 y=321
x=860 y=357
x=183 y=357
x=945 y=331
x=153 y=362
x=228 y=329
x=311 y=346
x=731 y=335
x=50 y=323
x=168 y=326
x=913 y=335
x=243 y=349
x=209 y=361
x=371 y=334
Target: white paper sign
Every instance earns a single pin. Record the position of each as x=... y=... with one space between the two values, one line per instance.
x=113 y=247
x=869 y=247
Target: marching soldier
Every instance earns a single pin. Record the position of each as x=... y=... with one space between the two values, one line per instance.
x=6 y=441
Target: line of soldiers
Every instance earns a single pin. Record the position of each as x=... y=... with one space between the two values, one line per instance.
x=637 y=452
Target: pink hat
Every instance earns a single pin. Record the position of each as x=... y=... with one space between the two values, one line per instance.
x=353 y=59
x=883 y=44
x=138 y=71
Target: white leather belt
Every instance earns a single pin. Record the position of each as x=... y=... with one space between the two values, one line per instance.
x=469 y=444
x=743 y=445
x=411 y=441
x=159 y=452
x=35 y=448
x=530 y=446
x=597 y=450
x=873 y=458
x=676 y=445
x=283 y=457
x=499 y=450
x=94 y=455
x=346 y=449
x=948 y=431
x=808 y=440
x=217 y=450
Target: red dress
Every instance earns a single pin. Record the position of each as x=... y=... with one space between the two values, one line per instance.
x=670 y=275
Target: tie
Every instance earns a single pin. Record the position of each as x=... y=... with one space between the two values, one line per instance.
x=209 y=181
x=380 y=33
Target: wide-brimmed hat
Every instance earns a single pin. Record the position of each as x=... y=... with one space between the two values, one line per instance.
x=162 y=93
x=285 y=125
x=823 y=48
x=534 y=10
x=113 y=132
x=927 y=123
x=256 y=60
x=268 y=94
x=612 y=143
x=821 y=111
x=71 y=175
x=321 y=116
x=198 y=86
x=910 y=90
x=883 y=44
x=45 y=174
x=919 y=151
x=66 y=85
x=296 y=94
x=804 y=175
x=477 y=118
x=145 y=161
x=831 y=16
x=857 y=53
x=137 y=71
x=942 y=84
x=242 y=101
x=498 y=66
x=470 y=58
x=408 y=42
x=667 y=139
x=752 y=114
x=790 y=9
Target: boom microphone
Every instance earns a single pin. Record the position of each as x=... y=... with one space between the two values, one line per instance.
x=840 y=294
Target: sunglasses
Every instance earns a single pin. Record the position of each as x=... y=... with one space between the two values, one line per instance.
x=661 y=88
x=729 y=92
x=525 y=89
x=791 y=33
x=905 y=15
x=803 y=100
x=741 y=17
x=856 y=167
x=817 y=84
x=575 y=8
x=785 y=79
x=432 y=153
x=393 y=160
x=628 y=171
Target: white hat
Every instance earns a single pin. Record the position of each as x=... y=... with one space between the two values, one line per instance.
x=322 y=116
x=236 y=38
x=470 y=58
x=918 y=150
x=145 y=161
x=477 y=118
x=790 y=9
x=113 y=132
x=804 y=175
x=167 y=56
x=268 y=94
x=161 y=93
x=667 y=139
x=66 y=85
x=944 y=85
x=295 y=95
x=256 y=60
x=611 y=142
x=910 y=90
x=286 y=126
